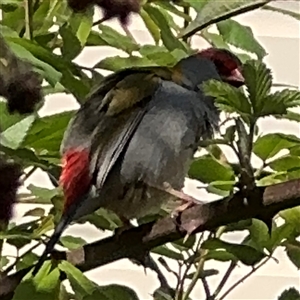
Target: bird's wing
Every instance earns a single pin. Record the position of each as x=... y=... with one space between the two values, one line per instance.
x=105 y=123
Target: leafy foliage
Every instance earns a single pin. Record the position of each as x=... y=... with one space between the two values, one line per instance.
x=51 y=36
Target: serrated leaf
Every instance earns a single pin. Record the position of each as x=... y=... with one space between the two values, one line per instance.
x=210 y=12
x=14 y=136
x=279 y=102
x=240 y=36
x=72 y=242
x=246 y=254
x=258 y=80
x=228 y=98
x=207 y=169
x=290 y=294
x=270 y=144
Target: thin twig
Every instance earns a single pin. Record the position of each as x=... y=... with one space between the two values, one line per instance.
x=206 y=288
x=225 y=278
x=254 y=269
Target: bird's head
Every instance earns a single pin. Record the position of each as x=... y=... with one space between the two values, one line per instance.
x=227 y=64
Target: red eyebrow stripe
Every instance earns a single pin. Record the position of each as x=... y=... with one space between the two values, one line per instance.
x=75 y=177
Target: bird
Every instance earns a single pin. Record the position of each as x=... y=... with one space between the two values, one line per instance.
x=129 y=146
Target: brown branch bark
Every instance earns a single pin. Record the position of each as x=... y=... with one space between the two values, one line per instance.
x=264 y=201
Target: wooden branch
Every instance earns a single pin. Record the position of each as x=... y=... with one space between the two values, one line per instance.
x=134 y=243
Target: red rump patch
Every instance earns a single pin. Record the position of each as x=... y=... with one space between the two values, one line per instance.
x=75 y=177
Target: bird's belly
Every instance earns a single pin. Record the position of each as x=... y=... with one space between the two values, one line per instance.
x=137 y=201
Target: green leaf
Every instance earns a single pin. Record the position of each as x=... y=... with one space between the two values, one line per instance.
x=35 y=212
x=210 y=12
x=240 y=36
x=3 y=262
x=26 y=261
x=285 y=163
x=114 y=39
x=115 y=291
x=46 y=133
x=270 y=144
x=7 y=119
x=51 y=75
x=45 y=226
x=259 y=234
x=207 y=169
x=278 y=103
x=151 y=26
x=85 y=27
x=204 y=273
x=13 y=136
x=246 y=254
x=283 y=11
x=66 y=68
x=293 y=251
x=81 y=285
x=292 y=216
x=46 y=288
x=116 y=63
x=238 y=226
x=72 y=242
x=95 y=39
x=258 y=81
x=167 y=252
x=290 y=294
x=71 y=46
x=228 y=98
x=170 y=41
x=220 y=255
x=45 y=195
x=278 y=235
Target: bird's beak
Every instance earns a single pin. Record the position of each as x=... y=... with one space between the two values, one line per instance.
x=236 y=78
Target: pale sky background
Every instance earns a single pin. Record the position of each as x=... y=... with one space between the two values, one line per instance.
x=280 y=37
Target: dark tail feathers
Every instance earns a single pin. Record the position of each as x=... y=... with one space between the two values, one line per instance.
x=53 y=240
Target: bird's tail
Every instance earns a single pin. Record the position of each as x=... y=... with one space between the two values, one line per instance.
x=65 y=220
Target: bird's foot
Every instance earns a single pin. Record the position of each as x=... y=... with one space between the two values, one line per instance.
x=126 y=226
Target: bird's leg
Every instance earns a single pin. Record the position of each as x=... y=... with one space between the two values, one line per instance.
x=188 y=201
x=126 y=226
